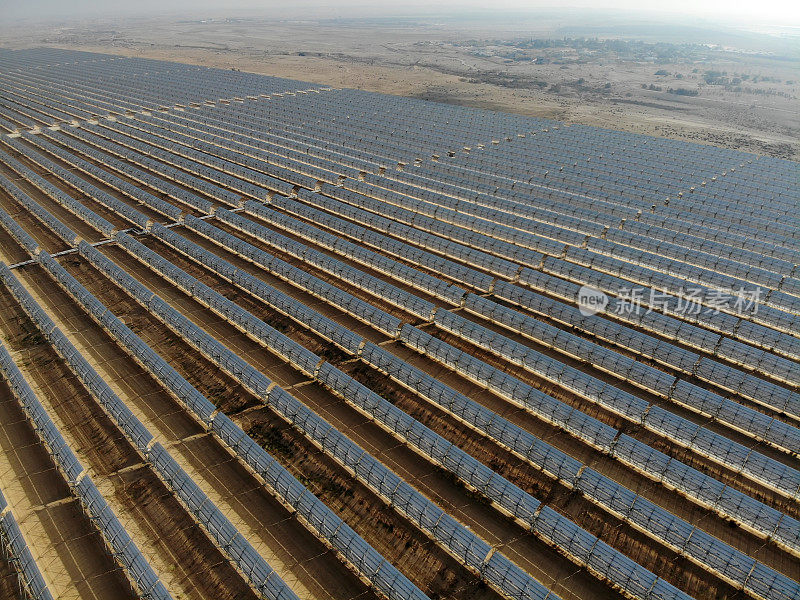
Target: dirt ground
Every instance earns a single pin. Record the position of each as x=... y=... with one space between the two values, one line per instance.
x=481 y=65
x=9 y=580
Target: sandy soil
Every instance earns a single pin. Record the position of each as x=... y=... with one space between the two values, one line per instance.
x=9 y=580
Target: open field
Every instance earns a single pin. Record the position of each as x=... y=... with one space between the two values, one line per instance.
x=355 y=337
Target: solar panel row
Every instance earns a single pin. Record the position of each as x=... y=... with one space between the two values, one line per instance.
x=260 y=575
x=16 y=549
x=119 y=543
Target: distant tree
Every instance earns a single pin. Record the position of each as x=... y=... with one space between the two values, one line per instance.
x=683 y=91
x=715 y=77
x=662 y=72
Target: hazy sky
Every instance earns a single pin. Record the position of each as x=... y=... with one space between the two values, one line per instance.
x=776 y=12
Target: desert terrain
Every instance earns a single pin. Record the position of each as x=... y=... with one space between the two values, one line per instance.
x=731 y=88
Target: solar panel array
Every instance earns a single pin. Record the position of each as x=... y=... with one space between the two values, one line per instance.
x=119 y=543
x=16 y=550
x=441 y=249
